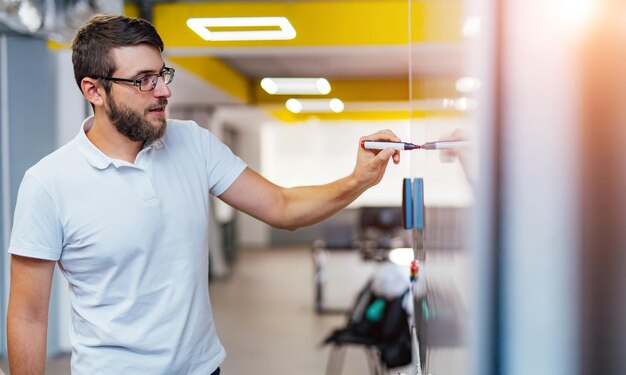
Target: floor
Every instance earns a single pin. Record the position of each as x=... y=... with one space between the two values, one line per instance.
x=265 y=314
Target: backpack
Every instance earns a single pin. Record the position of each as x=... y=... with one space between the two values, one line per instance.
x=380 y=322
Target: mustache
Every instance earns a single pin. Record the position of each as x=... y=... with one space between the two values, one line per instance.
x=161 y=104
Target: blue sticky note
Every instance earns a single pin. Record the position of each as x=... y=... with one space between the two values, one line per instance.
x=407 y=204
x=418 y=203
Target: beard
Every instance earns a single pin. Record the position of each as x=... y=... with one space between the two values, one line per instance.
x=133 y=124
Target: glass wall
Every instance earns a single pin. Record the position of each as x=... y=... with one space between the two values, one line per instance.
x=442 y=101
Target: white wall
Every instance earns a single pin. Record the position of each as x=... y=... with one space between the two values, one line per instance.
x=246 y=121
x=72 y=106
x=315 y=153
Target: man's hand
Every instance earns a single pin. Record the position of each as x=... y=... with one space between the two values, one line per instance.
x=371 y=164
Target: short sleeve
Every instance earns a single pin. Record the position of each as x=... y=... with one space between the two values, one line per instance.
x=37 y=231
x=223 y=166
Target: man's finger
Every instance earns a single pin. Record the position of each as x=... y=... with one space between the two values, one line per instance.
x=384 y=155
x=396 y=157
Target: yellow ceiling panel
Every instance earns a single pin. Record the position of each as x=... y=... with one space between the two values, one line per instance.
x=219 y=74
x=286 y=116
x=321 y=23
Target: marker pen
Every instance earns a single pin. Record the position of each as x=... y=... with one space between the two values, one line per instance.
x=404 y=146
x=381 y=145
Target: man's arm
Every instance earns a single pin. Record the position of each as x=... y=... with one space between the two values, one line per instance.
x=27 y=317
x=291 y=208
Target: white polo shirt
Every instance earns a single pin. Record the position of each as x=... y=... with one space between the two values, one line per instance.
x=132 y=241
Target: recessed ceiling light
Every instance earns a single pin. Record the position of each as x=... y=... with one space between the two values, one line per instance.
x=315 y=105
x=296 y=86
x=208 y=28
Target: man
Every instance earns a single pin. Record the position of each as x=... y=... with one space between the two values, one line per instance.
x=123 y=209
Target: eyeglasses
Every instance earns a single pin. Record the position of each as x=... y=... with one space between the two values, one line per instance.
x=147 y=82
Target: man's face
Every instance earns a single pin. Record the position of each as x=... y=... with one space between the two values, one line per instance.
x=140 y=116
x=133 y=123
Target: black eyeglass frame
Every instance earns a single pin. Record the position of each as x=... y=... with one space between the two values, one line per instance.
x=138 y=82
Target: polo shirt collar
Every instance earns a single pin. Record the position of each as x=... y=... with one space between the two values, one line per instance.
x=94 y=156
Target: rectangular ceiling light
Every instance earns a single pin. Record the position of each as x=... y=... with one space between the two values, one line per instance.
x=296 y=86
x=209 y=28
x=314 y=105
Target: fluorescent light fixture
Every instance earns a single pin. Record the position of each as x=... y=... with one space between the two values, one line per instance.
x=402 y=256
x=467 y=85
x=208 y=28
x=296 y=86
x=315 y=105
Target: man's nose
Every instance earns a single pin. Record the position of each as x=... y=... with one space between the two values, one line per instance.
x=162 y=90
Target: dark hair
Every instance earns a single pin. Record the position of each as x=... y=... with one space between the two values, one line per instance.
x=93 y=42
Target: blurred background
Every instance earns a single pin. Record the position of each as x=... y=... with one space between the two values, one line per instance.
x=522 y=251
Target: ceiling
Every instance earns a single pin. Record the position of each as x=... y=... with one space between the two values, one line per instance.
x=361 y=46
x=380 y=54
x=431 y=60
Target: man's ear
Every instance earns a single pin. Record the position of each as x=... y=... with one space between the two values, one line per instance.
x=93 y=91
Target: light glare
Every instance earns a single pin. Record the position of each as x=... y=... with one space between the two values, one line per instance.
x=402 y=256
x=269 y=85
x=323 y=86
x=576 y=13
x=294 y=105
x=336 y=105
